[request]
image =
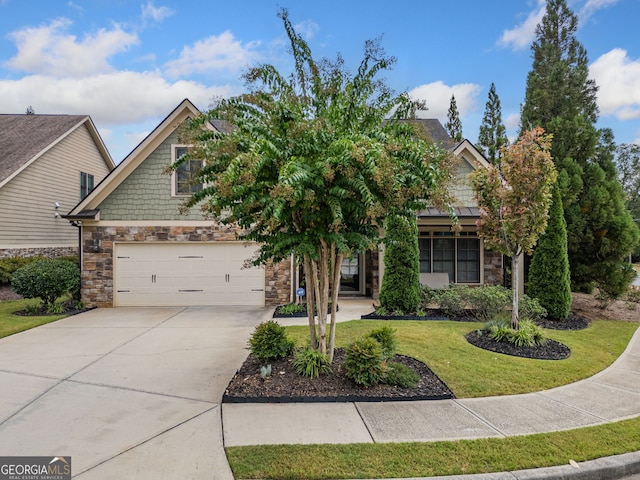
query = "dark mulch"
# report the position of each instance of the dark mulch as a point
(551, 350)
(285, 385)
(573, 322)
(69, 308)
(431, 314)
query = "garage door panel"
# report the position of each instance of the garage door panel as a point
(174, 274)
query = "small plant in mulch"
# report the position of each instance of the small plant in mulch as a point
(526, 341)
(294, 310)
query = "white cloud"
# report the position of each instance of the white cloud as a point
(110, 99)
(49, 50)
(155, 14)
(618, 80)
(593, 6)
(222, 52)
(307, 29)
(521, 36)
(437, 96)
(512, 121)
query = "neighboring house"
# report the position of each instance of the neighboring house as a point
(48, 163)
(138, 249)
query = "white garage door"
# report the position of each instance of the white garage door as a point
(186, 274)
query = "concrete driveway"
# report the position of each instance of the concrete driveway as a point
(126, 392)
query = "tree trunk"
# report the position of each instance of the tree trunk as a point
(336, 263)
(310, 292)
(515, 272)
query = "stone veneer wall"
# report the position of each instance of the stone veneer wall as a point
(50, 252)
(97, 271)
(493, 269)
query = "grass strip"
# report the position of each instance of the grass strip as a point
(405, 460)
(10, 323)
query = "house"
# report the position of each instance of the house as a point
(445, 256)
(48, 163)
(138, 249)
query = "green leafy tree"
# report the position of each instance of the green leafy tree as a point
(400, 288)
(549, 276)
(454, 125)
(493, 134)
(607, 233)
(314, 162)
(628, 165)
(514, 200)
(561, 98)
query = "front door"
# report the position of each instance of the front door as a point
(351, 276)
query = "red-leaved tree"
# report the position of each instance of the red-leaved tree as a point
(514, 200)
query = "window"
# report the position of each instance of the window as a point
(86, 184)
(459, 256)
(185, 176)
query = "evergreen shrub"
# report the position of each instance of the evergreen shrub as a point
(364, 363)
(386, 337)
(400, 289)
(549, 276)
(269, 341)
(400, 375)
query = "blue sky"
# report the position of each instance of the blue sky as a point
(127, 64)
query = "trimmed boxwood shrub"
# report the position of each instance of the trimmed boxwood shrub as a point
(400, 289)
(46, 279)
(269, 341)
(549, 277)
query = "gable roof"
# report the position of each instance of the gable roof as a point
(184, 110)
(25, 138)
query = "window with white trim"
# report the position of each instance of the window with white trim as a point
(458, 255)
(86, 184)
(185, 177)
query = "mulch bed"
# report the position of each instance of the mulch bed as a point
(285, 385)
(551, 350)
(573, 322)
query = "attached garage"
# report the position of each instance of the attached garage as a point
(186, 274)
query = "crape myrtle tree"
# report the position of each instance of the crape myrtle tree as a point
(314, 162)
(493, 134)
(454, 125)
(549, 275)
(561, 98)
(514, 200)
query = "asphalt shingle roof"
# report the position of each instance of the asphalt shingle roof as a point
(24, 136)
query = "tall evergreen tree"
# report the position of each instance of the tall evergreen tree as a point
(400, 288)
(549, 278)
(454, 125)
(561, 98)
(493, 134)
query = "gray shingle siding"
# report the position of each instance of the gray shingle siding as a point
(146, 193)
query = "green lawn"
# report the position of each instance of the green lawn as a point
(473, 372)
(407, 460)
(469, 372)
(10, 323)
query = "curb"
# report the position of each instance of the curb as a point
(605, 468)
